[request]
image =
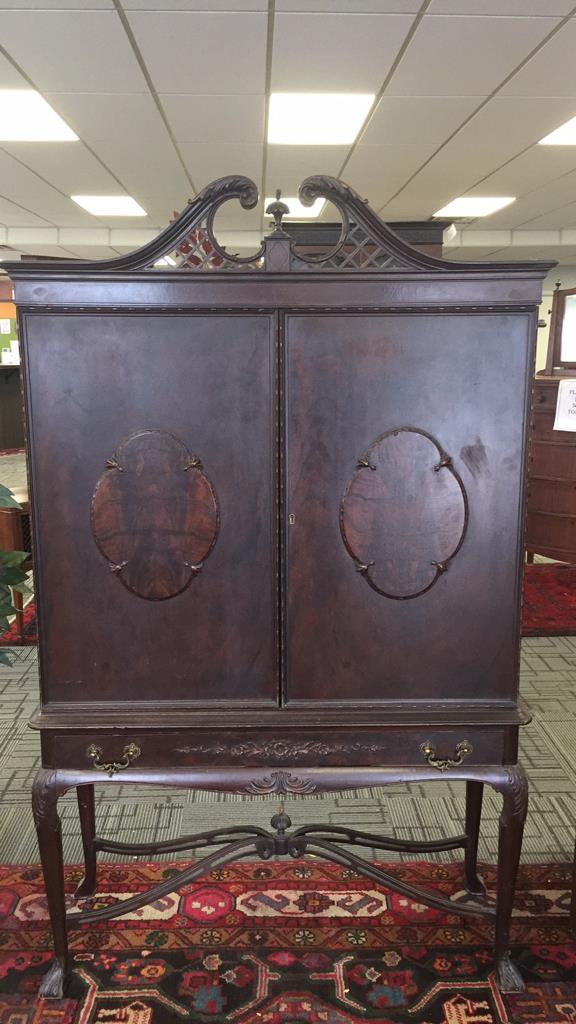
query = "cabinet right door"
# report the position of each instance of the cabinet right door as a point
(404, 501)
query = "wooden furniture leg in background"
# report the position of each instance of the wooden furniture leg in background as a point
(474, 794)
(85, 796)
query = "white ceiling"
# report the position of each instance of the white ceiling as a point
(166, 96)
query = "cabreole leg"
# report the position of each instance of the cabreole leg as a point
(474, 794)
(45, 793)
(85, 796)
(515, 805)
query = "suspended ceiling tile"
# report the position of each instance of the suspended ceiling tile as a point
(145, 166)
(461, 254)
(287, 166)
(14, 215)
(538, 166)
(350, 6)
(513, 123)
(93, 252)
(21, 185)
(519, 8)
(404, 119)
(72, 50)
(551, 71)
(208, 161)
(196, 5)
(457, 168)
(37, 249)
(215, 118)
(10, 78)
(56, 5)
(67, 166)
(564, 217)
(376, 172)
(540, 203)
(451, 56)
(113, 116)
(186, 52)
(532, 252)
(409, 209)
(335, 52)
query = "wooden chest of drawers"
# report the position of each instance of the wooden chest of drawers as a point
(551, 520)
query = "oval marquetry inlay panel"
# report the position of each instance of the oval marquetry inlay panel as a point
(154, 515)
(404, 513)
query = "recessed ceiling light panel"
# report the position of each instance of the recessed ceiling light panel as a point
(565, 135)
(110, 206)
(316, 119)
(474, 206)
(297, 209)
(25, 116)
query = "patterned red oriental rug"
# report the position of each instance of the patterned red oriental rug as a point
(549, 605)
(299, 942)
(549, 600)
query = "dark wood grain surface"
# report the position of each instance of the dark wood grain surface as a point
(349, 379)
(96, 381)
(154, 515)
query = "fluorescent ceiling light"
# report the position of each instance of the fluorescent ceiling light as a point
(316, 119)
(110, 206)
(565, 135)
(25, 116)
(297, 210)
(474, 206)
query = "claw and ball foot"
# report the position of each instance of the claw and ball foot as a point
(52, 984)
(509, 977)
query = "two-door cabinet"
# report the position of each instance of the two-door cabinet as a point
(278, 510)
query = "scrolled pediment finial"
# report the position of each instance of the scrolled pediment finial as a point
(277, 209)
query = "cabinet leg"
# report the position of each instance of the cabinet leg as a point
(474, 794)
(515, 805)
(85, 795)
(45, 793)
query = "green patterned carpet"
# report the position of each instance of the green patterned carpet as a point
(138, 813)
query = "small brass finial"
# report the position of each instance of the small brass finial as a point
(278, 210)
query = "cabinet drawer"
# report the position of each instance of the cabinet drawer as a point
(552, 496)
(114, 751)
(545, 397)
(546, 528)
(552, 459)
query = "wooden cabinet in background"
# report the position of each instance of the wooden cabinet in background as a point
(551, 520)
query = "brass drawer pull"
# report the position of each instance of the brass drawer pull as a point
(130, 753)
(443, 764)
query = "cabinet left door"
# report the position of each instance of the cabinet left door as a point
(153, 458)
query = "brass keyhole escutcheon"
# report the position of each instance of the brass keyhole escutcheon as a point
(292, 519)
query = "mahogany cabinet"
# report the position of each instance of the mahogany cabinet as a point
(278, 511)
(551, 521)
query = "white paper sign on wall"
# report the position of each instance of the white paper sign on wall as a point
(4, 326)
(565, 418)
